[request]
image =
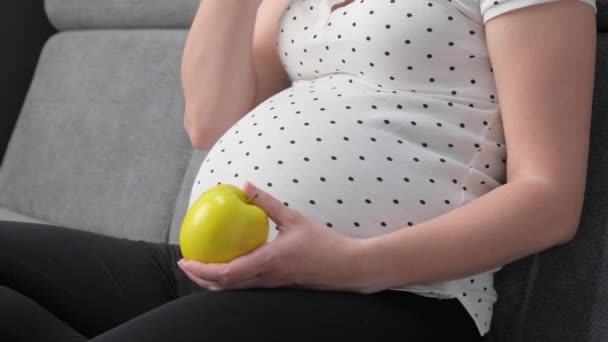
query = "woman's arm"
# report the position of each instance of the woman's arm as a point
(230, 65)
(217, 64)
(544, 72)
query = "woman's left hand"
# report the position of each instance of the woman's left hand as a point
(304, 254)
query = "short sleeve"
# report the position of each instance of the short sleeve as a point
(493, 8)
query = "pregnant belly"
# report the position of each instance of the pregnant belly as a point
(350, 176)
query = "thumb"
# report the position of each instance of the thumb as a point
(274, 208)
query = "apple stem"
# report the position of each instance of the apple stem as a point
(254, 196)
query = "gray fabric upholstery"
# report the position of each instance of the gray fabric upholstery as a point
(602, 15)
(94, 14)
(10, 215)
(100, 143)
(562, 294)
(181, 205)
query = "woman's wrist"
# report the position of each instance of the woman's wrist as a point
(369, 276)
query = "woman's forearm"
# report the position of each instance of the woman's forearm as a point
(218, 74)
(512, 221)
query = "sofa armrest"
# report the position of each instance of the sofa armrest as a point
(24, 28)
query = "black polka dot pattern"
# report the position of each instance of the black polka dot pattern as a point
(392, 119)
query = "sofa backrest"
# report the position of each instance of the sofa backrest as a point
(99, 144)
(561, 294)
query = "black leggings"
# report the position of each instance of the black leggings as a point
(60, 284)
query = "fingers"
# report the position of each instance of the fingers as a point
(202, 283)
(275, 209)
(245, 267)
(251, 265)
(251, 283)
(209, 272)
(213, 286)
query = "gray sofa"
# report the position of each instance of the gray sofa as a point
(92, 137)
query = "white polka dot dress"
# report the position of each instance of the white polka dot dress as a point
(392, 119)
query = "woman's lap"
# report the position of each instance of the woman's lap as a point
(288, 314)
(25, 320)
(92, 281)
(119, 289)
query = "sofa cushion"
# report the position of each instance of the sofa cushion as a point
(93, 14)
(561, 294)
(10, 215)
(100, 143)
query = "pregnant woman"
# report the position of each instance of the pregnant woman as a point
(375, 135)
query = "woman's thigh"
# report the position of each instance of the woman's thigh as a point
(91, 281)
(23, 320)
(288, 314)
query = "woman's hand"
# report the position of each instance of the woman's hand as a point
(304, 254)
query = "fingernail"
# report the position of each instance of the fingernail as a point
(180, 262)
(250, 189)
(252, 186)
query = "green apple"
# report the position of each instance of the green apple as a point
(222, 225)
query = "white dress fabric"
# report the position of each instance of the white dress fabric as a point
(392, 119)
